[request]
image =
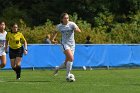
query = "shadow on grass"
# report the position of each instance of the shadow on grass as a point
(29, 81)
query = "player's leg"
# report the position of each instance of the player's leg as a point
(69, 61)
(12, 60)
(12, 56)
(18, 67)
(19, 54)
(70, 57)
(13, 64)
(15, 61)
(63, 65)
(3, 61)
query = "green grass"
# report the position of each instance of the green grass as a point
(95, 81)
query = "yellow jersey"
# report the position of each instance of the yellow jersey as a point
(15, 39)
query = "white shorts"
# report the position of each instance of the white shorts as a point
(66, 46)
(2, 53)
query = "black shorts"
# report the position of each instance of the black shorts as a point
(13, 53)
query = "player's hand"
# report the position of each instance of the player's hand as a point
(25, 52)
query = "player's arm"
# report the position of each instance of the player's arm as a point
(6, 42)
(25, 47)
(76, 29)
(25, 44)
(54, 37)
(6, 46)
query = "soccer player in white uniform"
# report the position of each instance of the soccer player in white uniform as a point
(67, 29)
(2, 44)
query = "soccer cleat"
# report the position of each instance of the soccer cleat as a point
(18, 78)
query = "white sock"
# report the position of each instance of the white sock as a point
(68, 67)
(62, 66)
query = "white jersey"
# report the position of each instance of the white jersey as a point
(2, 41)
(67, 32)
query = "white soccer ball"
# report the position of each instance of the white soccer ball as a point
(71, 78)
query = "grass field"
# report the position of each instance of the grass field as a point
(94, 81)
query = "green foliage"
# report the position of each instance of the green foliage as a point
(38, 33)
(106, 32)
(105, 21)
(13, 15)
(35, 12)
(105, 18)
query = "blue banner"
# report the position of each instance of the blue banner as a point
(44, 55)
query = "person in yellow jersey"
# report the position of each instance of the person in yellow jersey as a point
(16, 49)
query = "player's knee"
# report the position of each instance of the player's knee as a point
(71, 59)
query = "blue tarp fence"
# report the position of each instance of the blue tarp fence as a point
(43, 55)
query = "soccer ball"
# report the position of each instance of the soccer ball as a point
(71, 78)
